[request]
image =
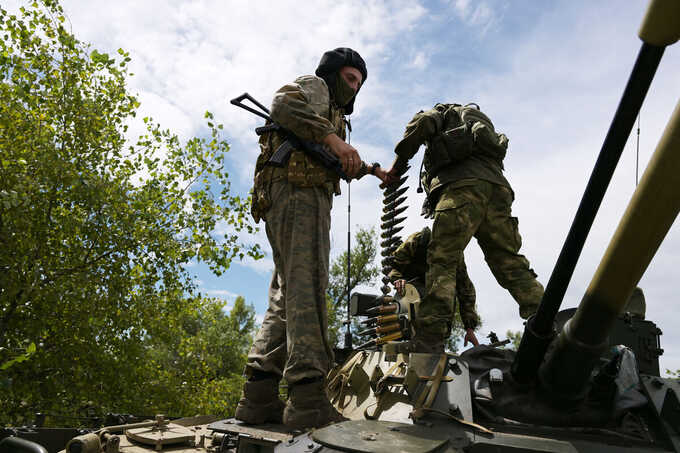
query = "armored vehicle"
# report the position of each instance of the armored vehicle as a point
(583, 380)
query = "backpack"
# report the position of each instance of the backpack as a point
(462, 131)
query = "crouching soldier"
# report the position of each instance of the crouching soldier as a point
(409, 264)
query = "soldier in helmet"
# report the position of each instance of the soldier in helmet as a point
(295, 203)
(409, 263)
(468, 196)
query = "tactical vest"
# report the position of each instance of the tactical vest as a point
(461, 132)
(301, 170)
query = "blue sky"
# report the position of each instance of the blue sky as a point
(549, 74)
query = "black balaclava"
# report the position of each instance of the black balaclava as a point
(330, 65)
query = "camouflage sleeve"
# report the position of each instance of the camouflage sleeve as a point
(403, 256)
(418, 130)
(465, 292)
(300, 106)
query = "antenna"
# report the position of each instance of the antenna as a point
(348, 322)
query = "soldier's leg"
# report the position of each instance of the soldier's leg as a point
(306, 247)
(268, 352)
(267, 357)
(458, 213)
(304, 240)
(499, 238)
(466, 296)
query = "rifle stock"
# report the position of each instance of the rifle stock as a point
(282, 154)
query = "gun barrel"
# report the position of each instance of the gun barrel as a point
(648, 218)
(538, 330)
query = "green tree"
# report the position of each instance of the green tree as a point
(95, 230)
(363, 271)
(196, 369)
(515, 337)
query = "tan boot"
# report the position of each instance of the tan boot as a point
(260, 402)
(308, 407)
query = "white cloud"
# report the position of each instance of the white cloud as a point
(478, 13)
(420, 60)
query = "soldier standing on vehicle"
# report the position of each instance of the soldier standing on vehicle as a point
(409, 264)
(468, 196)
(295, 202)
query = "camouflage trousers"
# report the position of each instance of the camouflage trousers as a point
(292, 341)
(481, 209)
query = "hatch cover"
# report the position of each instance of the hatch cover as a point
(372, 436)
(166, 435)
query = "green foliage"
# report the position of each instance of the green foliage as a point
(363, 271)
(96, 232)
(23, 356)
(196, 368)
(515, 337)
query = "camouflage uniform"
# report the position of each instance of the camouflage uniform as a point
(468, 196)
(410, 263)
(295, 203)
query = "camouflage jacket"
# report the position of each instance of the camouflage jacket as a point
(409, 262)
(424, 127)
(303, 107)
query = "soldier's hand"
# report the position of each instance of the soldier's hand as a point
(391, 176)
(470, 337)
(380, 173)
(349, 157)
(400, 286)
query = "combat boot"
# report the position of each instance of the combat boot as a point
(308, 407)
(260, 402)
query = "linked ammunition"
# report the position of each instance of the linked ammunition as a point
(391, 241)
(392, 223)
(390, 337)
(389, 251)
(394, 195)
(382, 309)
(380, 320)
(393, 213)
(393, 205)
(386, 234)
(381, 329)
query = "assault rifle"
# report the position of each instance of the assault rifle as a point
(282, 153)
